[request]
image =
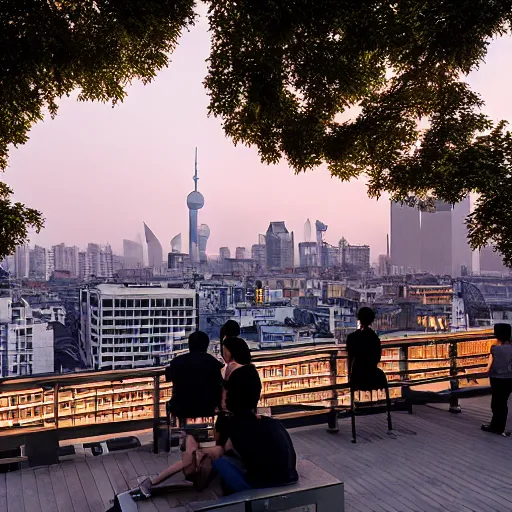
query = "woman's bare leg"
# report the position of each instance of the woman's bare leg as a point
(188, 459)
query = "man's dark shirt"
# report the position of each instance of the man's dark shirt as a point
(266, 450)
(196, 385)
(364, 353)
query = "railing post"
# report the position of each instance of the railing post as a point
(404, 368)
(156, 412)
(454, 381)
(332, 418)
(56, 404)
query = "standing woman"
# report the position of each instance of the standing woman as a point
(500, 376)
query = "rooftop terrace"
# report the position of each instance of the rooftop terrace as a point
(438, 461)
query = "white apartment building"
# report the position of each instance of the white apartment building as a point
(41, 263)
(125, 326)
(21, 262)
(26, 343)
(66, 258)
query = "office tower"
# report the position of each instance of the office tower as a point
(462, 255)
(280, 247)
(155, 251)
(97, 261)
(66, 258)
(240, 253)
(84, 266)
(176, 243)
(203, 233)
(358, 256)
(384, 265)
(259, 255)
(26, 342)
(195, 201)
(40, 263)
(405, 237)
(133, 254)
(492, 261)
(436, 237)
(129, 327)
(224, 253)
(323, 256)
(307, 231)
(21, 262)
(308, 254)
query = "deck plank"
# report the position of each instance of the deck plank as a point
(126, 467)
(3, 493)
(92, 494)
(74, 485)
(14, 492)
(60, 489)
(45, 490)
(29, 489)
(101, 479)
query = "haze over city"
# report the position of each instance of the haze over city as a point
(97, 173)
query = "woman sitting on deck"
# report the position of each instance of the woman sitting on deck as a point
(364, 353)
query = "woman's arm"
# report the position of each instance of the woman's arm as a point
(489, 364)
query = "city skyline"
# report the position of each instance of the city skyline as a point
(105, 171)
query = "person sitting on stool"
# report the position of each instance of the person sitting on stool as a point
(500, 376)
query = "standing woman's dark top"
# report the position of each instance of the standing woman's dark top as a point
(364, 353)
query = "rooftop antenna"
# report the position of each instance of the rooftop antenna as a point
(195, 175)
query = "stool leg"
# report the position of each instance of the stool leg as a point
(353, 416)
(388, 407)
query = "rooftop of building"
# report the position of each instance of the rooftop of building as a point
(436, 461)
(138, 290)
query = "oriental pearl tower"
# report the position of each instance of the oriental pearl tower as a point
(195, 201)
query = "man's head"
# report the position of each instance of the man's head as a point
(198, 341)
(230, 329)
(366, 316)
(503, 332)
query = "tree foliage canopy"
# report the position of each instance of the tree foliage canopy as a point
(372, 88)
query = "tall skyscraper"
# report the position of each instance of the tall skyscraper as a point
(307, 231)
(22, 261)
(240, 253)
(203, 233)
(195, 201)
(66, 258)
(155, 251)
(280, 246)
(41, 264)
(308, 254)
(176, 243)
(100, 260)
(224, 253)
(323, 253)
(405, 237)
(133, 254)
(492, 261)
(462, 255)
(436, 239)
(259, 255)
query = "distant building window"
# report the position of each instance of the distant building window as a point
(190, 303)
(108, 303)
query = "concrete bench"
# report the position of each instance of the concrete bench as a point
(316, 489)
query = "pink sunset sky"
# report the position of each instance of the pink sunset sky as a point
(98, 172)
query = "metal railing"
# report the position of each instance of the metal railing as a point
(295, 382)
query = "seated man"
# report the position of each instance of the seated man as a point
(196, 380)
(265, 456)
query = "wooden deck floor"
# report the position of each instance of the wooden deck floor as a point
(438, 462)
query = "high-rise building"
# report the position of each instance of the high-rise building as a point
(129, 327)
(66, 258)
(22, 262)
(224, 253)
(323, 254)
(492, 261)
(41, 264)
(436, 236)
(405, 237)
(195, 201)
(26, 343)
(203, 233)
(240, 253)
(100, 260)
(176, 243)
(462, 254)
(133, 254)
(358, 256)
(259, 255)
(280, 247)
(308, 254)
(84, 266)
(307, 231)
(155, 251)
